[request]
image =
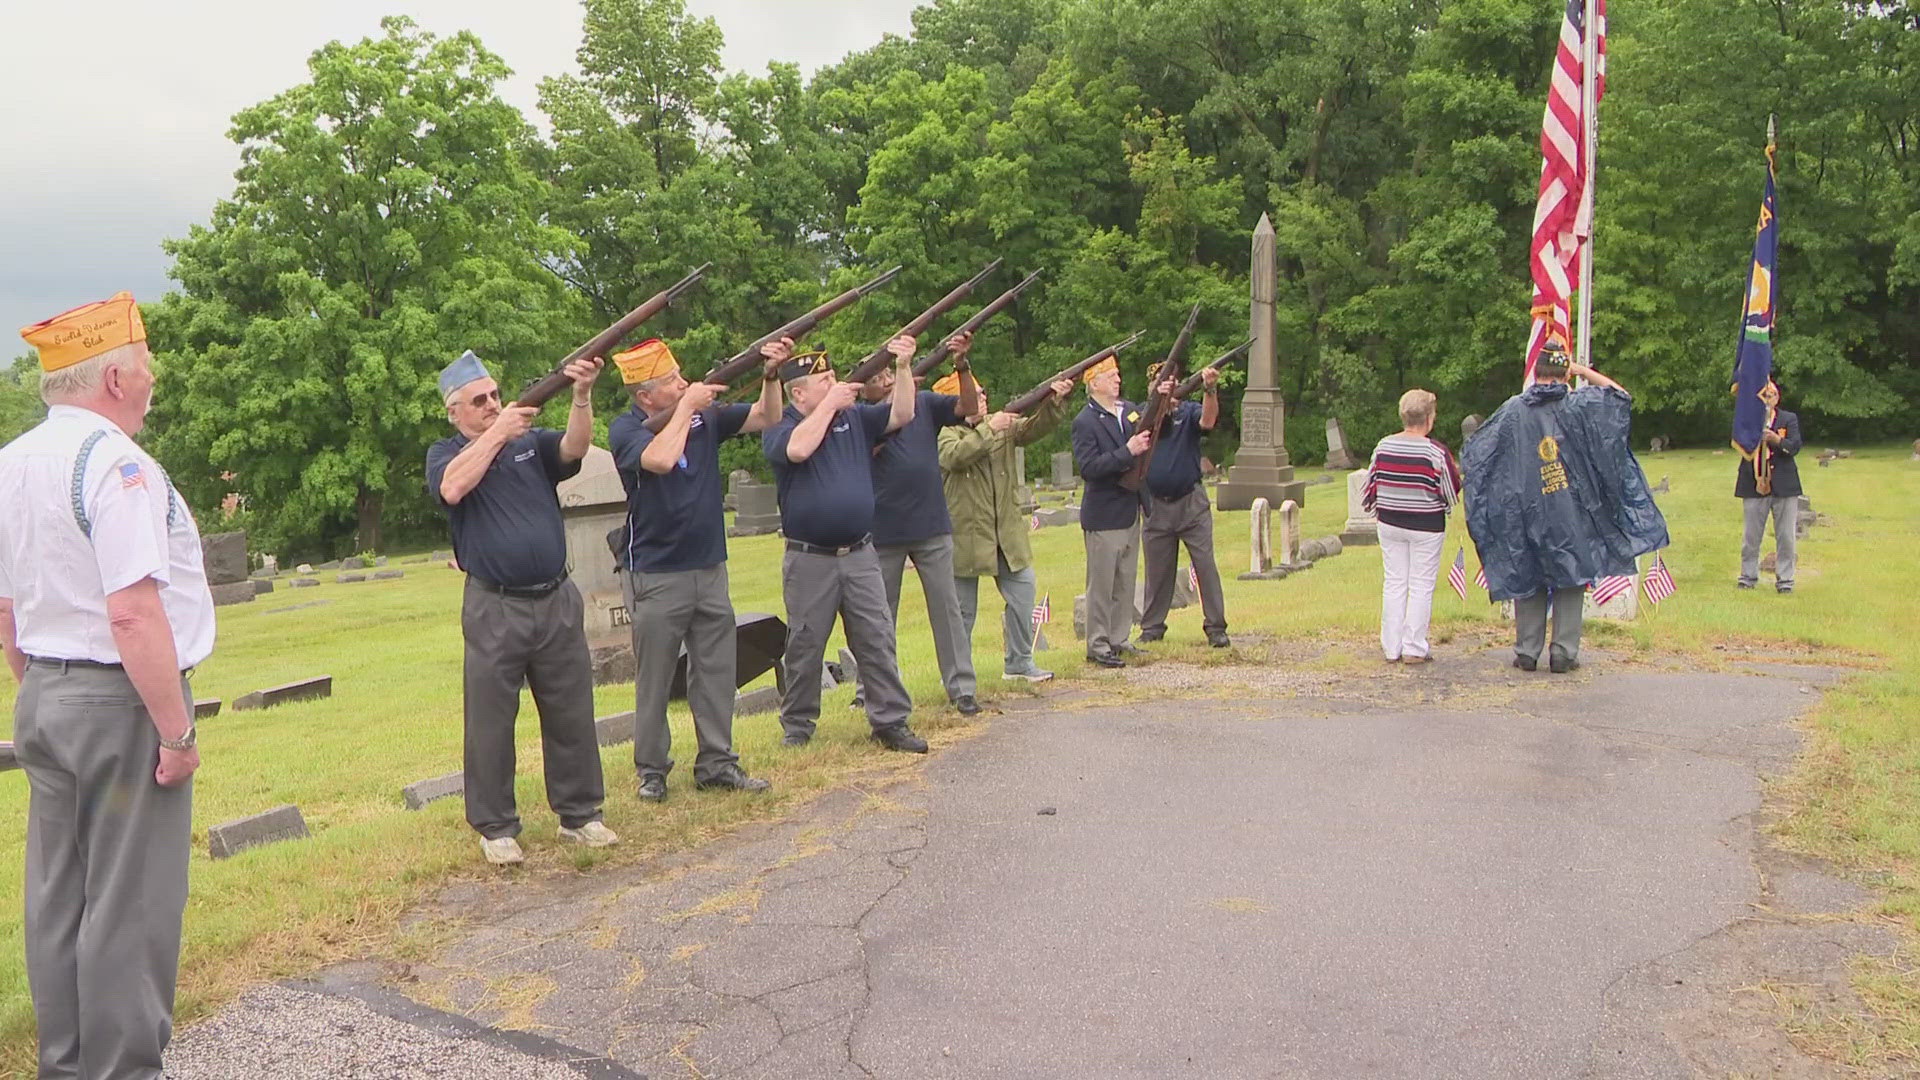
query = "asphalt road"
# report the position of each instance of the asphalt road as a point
(1519, 876)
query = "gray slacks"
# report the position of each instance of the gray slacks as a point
(817, 588)
(1187, 520)
(1785, 511)
(952, 640)
(1530, 622)
(1017, 589)
(543, 643)
(691, 608)
(106, 880)
(1112, 561)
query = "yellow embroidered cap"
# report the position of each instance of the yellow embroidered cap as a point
(648, 360)
(86, 331)
(950, 384)
(1104, 366)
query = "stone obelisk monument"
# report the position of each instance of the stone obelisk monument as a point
(1260, 468)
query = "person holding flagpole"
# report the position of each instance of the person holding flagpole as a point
(1767, 436)
(1412, 483)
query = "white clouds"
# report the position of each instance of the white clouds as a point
(117, 114)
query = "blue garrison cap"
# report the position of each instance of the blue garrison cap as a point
(460, 373)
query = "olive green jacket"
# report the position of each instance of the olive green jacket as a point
(977, 467)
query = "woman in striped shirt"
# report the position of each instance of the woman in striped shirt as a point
(1411, 484)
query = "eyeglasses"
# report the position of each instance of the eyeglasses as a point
(480, 400)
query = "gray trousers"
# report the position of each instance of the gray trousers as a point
(691, 608)
(1112, 561)
(543, 643)
(1016, 621)
(817, 588)
(1530, 622)
(106, 873)
(1785, 511)
(1187, 520)
(952, 639)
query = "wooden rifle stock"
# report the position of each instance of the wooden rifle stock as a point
(877, 360)
(542, 390)
(1159, 403)
(1192, 382)
(1026, 402)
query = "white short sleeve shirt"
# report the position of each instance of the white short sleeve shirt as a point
(93, 515)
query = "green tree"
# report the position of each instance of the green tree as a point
(20, 405)
(385, 219)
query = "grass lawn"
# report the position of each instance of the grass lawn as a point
(394, 651)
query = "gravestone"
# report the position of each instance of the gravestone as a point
(1659, 444)
(206, 707)
(1659, 488)
(348, 579)
(421, 792)
(224, 558)
(353, 562)
(849, 666)
(379, 560)
(1362, 527)
(303, 568)
(302, 582)
(612, 659)
(1289, 551)
(764, 700)
(592, 503)
(1056, 515)
(233, 837)
(1260, 544)
(1804, 518)
(262, 586)
(730, 501)
(1261, 468)
(388, 575)
(1040, 641)
(233, 592)
(1916, 451)
(1338, 456)
(1063, 476)
(1626, 606)
(334, 565)
(269, 564)
(1022, 491)
(303, 690)
(1470, 425)
(614, 729)
(759, 509)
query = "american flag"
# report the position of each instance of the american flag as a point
(1457, 573)
(1563, 219)
(1480, 576)
(1609, 587)
(1660, 583)
(1033, 523)
(1193, 580)
(131, 476)
(1043, 611)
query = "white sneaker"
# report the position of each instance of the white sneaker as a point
(502, 851)
(1034, 676)
(592, 834)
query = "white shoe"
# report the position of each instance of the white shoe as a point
(592, 834)
(1034, 676)
(502, 851)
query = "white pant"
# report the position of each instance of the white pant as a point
(1412, 563)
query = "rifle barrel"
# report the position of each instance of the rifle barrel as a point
(543, 389)
(1026, 402)
(877, 359)
(1000, 303)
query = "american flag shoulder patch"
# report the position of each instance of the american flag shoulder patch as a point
(131, 475)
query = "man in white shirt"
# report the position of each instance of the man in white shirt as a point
(104, 609)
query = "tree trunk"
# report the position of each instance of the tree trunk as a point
(367, 506)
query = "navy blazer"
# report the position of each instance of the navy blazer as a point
(1100, 453)
(1786, 470)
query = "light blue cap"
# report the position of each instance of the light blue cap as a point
(460, 373)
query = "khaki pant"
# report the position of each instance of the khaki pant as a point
(1113, 559)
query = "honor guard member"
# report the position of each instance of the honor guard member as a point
(1778, 497)
(910, 521)
(523, 620)
(1178, 513)
(822, 455)
(990, 533)
(1104, 446)
(104, 608)
(676, 557)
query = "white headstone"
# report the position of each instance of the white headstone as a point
(593, 503)
(1261, 543)
(1361, 527)
(1289, 552)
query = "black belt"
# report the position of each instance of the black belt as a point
(520, 592)
(90, 665)
(836, 552)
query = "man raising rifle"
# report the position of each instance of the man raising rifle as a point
(1178, 512)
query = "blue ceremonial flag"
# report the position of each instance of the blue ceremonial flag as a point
(1753, 395)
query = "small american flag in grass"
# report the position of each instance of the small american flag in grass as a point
(1193, 580)
(1457, 573)
(1607, 588)
(1043, 611)
(1480, 576)
(1660, 584)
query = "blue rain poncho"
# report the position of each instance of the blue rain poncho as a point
(1555, 498)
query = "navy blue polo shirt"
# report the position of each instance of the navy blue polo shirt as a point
(909, 495)
(507, 530)
(828, 498)
(676, 519)
(1175, 467)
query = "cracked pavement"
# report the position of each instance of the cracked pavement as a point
(1450, 871)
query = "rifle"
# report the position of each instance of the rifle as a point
(751, 357)
(969, 389)
(542, 390)
(1158, 403)
(1192, 382)
(1026, 402)
(878, 359)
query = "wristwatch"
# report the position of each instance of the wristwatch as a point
(184, 742)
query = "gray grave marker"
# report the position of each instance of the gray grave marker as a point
(1063, 469)
(206, 707)
(388, 575)
(348, 579)
(302, 582)
(261, 586)
(421, 792)
(234, 592)
(224, 557)
(304, 690)
(280, 823)
(764, 700)
(614, 729)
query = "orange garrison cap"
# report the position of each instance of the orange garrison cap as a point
(950, 384)
(87, 331)
(1109, 364)
(646, 361)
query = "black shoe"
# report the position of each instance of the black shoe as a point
(733, 777)
(1151, 635)
(1783, 588)
(653, 786)
(857, 703)
(1743, 584)
(1219, 640)
(796, 740)
(1560, 665)
(1525, 663)
(900, 737)
(967, 705)
(1130, 649)
(1105, 660)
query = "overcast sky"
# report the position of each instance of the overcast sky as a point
(116, 111)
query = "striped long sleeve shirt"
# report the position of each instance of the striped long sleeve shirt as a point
(1411, 483)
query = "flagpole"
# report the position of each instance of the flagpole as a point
(1589, 60)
